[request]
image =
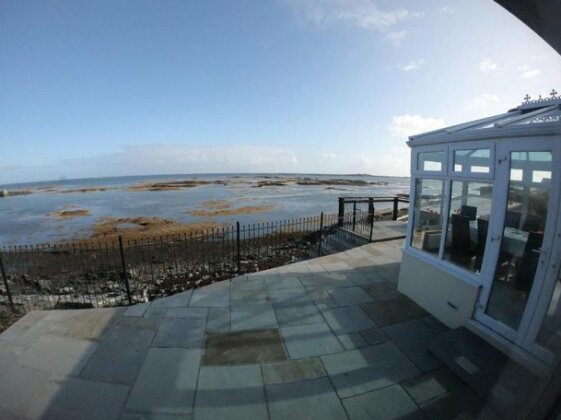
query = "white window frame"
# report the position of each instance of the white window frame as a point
(415, 171)
(471, 145)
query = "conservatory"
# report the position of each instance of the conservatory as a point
(483, 246)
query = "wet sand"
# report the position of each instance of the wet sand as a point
(131, 228)
(217, 208)
(69, 214)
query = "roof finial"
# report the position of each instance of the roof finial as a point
(553, 94)
(527, 98)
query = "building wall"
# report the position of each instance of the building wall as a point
(448, 298)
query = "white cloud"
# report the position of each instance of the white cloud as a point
(412, 65)
(488, 65)
(407, 125)
(330, 155)
(486, 102)
(445, 10)
(361, 13)
(527, 72)
(396, 37)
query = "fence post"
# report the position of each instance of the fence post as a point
(370, 209)
(354, 216)
(5, 279)
(395, 208)
(238, 255)
(124, 275)
(341, 215)
(320, 233)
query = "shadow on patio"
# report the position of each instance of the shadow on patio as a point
(325, 338)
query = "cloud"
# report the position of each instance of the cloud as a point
(488, 65)
(486, 102)
(407, 125)
(330, 155)
(445, 10)
(361, 13)
(396, 37)
(412, 65)
(527, 72)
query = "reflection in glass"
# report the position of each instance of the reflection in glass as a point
(430, 161)
(549, 335)
(468, 224)
(522, 238)
(427, 220)
(472, 161)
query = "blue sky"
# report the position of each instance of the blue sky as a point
(333, 86)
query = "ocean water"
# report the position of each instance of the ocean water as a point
(28, 219)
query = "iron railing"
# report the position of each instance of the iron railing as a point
(358, 214)
(123, 272)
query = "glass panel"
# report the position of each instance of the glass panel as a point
(427, 223)
(549, 335)
(430, 161)
(522, 237)
(468, 224)
(472, 161)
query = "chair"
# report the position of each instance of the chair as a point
(469, 211)
(512, 219)
(526, 266)
(533, 223)
(461, 241)
(482, 230)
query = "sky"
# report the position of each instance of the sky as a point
(137, 87)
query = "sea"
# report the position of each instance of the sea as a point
(29, 219)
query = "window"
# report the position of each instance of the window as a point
(472, 161)
(431, 161)
(468, 224)
(427, 219)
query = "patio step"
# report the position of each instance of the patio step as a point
(505, 384)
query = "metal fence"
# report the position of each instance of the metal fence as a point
(358, 214)
(122, 272)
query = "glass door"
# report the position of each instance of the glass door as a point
(520, 235)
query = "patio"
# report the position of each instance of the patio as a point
(326, 338)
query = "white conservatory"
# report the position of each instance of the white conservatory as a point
(483, 246)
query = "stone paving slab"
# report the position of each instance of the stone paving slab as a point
(349, 296)
(356, 371)
(298, 314)
(180, 332)
(253, 317)
(75, 398)
(243, 347)
(391, 403)
(20, 385)
(210, 297)
(310, 340)
(352, 341)
(292, 371)
(289, 296)
(394, 311)
(183, 312)
(348, 319)
(137, 310)
(413, 338)
(121, 352)
(60, 356)
(218, 319)
(432, 385)
(166, 382)
(308, 400)
(230, 392)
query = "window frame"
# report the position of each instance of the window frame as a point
(472, 145)
(447, 175)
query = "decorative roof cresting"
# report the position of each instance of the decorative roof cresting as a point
(553, 96)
